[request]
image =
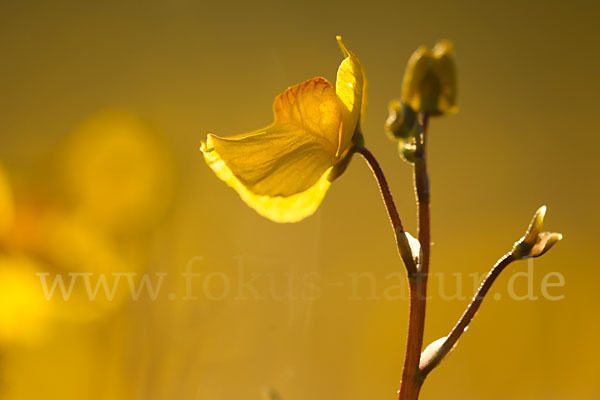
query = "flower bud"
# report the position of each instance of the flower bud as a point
(430, 82)
(415, 247)
(535, 243)
(434, 353)
(408, 149)
(402, 120)
(545, 242)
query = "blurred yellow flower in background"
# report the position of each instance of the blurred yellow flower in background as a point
(118, 178)
(284, 170)
(118, 173)
(69, 244)
(430, 82)
(23, 308)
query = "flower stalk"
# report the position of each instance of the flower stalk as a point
(427, 365)
(534, 243)
(401, 239)
(319, 125)
(411, 380)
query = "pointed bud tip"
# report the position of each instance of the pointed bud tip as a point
(443, 46)
(540, 214)
(534, 228)
(535, 243)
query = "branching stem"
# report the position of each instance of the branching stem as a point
(416, 370)
(468, 315)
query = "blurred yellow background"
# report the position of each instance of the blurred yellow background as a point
(102, 110)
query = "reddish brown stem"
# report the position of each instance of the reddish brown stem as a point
(412, 379)
(469, 313)
(401, 241)
(384, 187)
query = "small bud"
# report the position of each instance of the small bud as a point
(407, 150)
(430, 83)
(545, 242)
(535, 243)
(410, 250)
(402, 121)
(415, 247)
(434, 353)
(535, 226)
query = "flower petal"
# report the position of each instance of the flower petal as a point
(419, 65)
(430, 83)
(445, 68)
(351, 88)
(279, 209)
(281, 171)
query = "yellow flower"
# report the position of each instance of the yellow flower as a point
(62, 244)
(429, 83)
(118, 172)
(23, 308)
(284, 170)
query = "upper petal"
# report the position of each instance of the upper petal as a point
(430, 83)
(413, 89)
(351, 88)
(445, 68)
(281, 171)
